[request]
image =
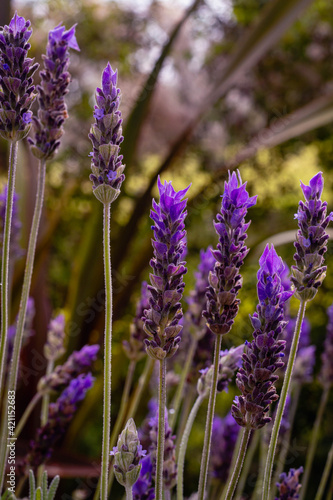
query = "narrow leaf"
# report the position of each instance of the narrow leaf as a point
(44, 484)
(53, 488)
(32, 485)
(38, 494)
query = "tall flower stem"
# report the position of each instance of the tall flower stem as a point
(183, 446)
(209, 422)
(107, 353)
(161, 431)
(129, 493)
(239, 463)
(325, 476)
(247, 464)
(186, 410)
(5, 260)
(143, 380)
(286, 441)
(121, 415)
(314, 441)
(282, 402)
(25, 289)
(180, 388)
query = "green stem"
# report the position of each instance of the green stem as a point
(247, 464)
(107, 354)
(330, 490)
(186, 409)
(180, 388)
(239, 463)
(129, 493)
(209, 422)
(314, 441)
(286, 441)
(326, 473)
(282, 402)
(44, 416)
(183, 446)
(27, 413)
(121, 415)
(161, 431)
(5, 263)
(143, 380)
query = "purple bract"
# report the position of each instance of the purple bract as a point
(289, 485)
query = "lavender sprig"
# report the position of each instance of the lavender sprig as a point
(289, 485)
(164, 313)
(226, 281)
(143, 489)
(263, 355)
(59, 415)
(16, 72)
(54, 86)
(54, 345)
(106, 137)
(311, 240)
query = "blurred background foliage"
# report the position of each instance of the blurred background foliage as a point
(206, 86)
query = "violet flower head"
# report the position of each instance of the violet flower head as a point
(167, 286)
(15, 247)
(225, 432)
(77, 363)
(263, 355)
(143, 489)
(54, 346)
(134, 347)
(311, 240)
(289, 486)
(225, 281)
(326, 372)
(60, 414)
(106, 137)
(55, 79)
(16, 83)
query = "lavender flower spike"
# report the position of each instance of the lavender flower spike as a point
(16, 83)
(290, 485)
(54, 346)
(263, 355)
(54, 86)
(105, 135)
(225, 281)
(311, 240)
(59, 415)
(163, 316)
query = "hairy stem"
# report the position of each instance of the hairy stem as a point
(183, 446)
(161, 431)
(282, 402)
(180, 387)
(247, 464)
(325, 476)
(239, 463)
(209, 422)
(186, 409)
(129, 493)
(107, 353)
(5, 262)
(314, 441)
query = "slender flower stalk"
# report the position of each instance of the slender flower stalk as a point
(246, 434)
(163, 316)
(107, 177)
(326, 475)
(224, 284)
(308, 274)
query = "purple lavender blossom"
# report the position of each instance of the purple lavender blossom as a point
(54, 345)
(326, 372)
(54, 86)
(105, 135)
(16, 83)
(163, 316)
(311, 240)
(60, 414)
(263, 355)
(77, 363)
(15, 248)
(169, 464)
(225, 281)
(289, 485)
(134, 348)
(225, 432)
(143, 489)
